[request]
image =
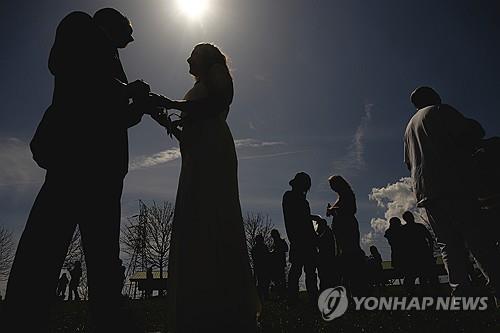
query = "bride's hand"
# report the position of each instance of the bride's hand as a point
(160, 100)
(161, 118)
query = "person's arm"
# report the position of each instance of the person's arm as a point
(220, 96)
(467, 132)
(290, 218)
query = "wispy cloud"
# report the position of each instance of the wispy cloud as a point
(253, 143)
(271, 155)
(354, 159)
(172, 154)
(16, 164)
(165, 156)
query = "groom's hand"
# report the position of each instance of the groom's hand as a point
(162, 101)
(138, 89)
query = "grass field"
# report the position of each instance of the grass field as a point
(277, 317)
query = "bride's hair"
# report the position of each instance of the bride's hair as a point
(212, 55)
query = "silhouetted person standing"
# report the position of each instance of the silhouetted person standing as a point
(346, 230)
(82, 143)
(419, 253)
(395, 237)
(76, 275)
(62, 284)
(302, 237)
(327, 266)
(261, 266)
(278, 262)
(123, 270)
(438, 145)
(375, 266)
(149, 282)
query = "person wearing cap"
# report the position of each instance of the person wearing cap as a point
(438, 145)
(302, 237)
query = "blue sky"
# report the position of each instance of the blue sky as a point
(321, 86)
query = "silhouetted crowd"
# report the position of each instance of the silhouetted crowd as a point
(454, 170)
(330, 254)
(455, 177)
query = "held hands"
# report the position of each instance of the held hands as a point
(137, 90)
(329, 210)
(162, 101)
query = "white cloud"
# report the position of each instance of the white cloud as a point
(16, 164)
(368, 238)
(395, 199)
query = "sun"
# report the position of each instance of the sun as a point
(193, 9)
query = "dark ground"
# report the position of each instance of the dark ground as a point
(151, 315)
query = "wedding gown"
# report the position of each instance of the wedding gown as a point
(210, 283)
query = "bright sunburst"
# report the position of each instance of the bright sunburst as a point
(193, 8)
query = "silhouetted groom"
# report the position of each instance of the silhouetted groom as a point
(82, 143)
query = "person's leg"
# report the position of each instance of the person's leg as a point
(296, 260)
(311, 276)
(100, 238)
(77, 294)
(41, 249)
(449, 239)
(281, 282)
(482, 245)
(293, 280)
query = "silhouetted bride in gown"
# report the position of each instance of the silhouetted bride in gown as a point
(210, 283)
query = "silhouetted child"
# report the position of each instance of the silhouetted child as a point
(419, 254)
(395, 237)
(375, 267)
(62, 284)
(149, 282)
(327, 266)
(122, 274)
(278, 262)
(76, 274)
(260, 258)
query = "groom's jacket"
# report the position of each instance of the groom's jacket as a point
(85, 128)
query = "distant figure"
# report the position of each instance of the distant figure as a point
(76, 274)
(439, 142)
(375, 267)
(261, 266)
(62, 284)
(302, 237)
(82, 143)
(395, 237)
(208, 237)
(346, 230)
(420, 259)
(123, 269)
(149, 282)
(278, 262)
(327, 265)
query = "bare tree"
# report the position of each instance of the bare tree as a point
(146, 237)
(257, 223)
(6, 252)
(158, 229)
